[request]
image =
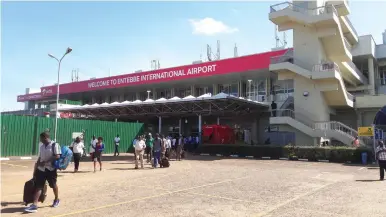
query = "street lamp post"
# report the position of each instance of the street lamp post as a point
(57, 88)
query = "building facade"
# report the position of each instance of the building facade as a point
(331, 82)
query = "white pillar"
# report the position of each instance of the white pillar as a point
(159, 124)
(116, 119)
(371, 75)
(218, 120)
(179, 127)
(199, 128)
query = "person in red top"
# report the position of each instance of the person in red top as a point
(96, 156)
(355, 143)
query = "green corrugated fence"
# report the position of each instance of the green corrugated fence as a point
(21, 134)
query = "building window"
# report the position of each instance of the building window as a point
(256, 90)
(184, 92)
(230, 89)
(382, 75)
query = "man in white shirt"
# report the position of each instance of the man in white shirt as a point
(168, 146)
(49, 151)
(116, 141)
(139, 152)
(77, 148)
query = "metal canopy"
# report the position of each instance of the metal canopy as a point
(217, 105)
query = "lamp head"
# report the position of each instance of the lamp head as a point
(50, 55)
(68, 50)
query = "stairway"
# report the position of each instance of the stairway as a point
(328, 129)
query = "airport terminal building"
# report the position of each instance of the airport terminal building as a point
(327, 85)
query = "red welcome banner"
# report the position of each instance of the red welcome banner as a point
(225, 66)
(29, 97)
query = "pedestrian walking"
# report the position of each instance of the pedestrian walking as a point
(168, 147)
(157, 148)
(96, 156)
(381, 157)
(117, 140)
(140, 147)
(179, 147)
(77, 148)
(149, 148)
(49, 151)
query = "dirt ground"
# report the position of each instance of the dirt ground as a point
(204, 186)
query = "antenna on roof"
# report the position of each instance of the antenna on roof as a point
(154, 64)
(218, 50)
(209, 52)
(277, 37)
(235, 53)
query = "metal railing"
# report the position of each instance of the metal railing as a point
(311, 11)
(296, 116)
(324, 125)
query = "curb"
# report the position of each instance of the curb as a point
(16, 158)
(266, 158)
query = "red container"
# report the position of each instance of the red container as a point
(218, 134)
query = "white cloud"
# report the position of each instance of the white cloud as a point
(210, 26)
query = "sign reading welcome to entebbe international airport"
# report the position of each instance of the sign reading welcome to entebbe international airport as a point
(219, 67)
(157, 76)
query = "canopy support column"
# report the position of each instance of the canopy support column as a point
(199, 128)
(179, 127)
(218, 120)
(159, 124)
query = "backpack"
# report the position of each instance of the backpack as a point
(64, 159)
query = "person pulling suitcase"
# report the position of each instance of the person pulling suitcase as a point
(48, 153)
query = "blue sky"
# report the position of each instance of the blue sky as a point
(125, 36)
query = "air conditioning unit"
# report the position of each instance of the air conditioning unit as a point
(138, 71)
(92, 78)
(197, 62)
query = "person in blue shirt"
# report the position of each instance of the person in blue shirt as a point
(96, 156)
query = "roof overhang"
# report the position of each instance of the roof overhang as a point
(220, 104)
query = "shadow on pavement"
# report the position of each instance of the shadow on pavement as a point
(369, 180)
(13, 210)
(11, 203)
(67, 171)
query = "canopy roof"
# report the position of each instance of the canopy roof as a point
(204, 105)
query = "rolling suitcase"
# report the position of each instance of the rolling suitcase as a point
(29, 191)
(165, 162)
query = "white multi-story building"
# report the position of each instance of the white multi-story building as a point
(338, 76)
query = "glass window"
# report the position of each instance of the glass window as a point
(382, 75)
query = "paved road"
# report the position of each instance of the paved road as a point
(206, 186)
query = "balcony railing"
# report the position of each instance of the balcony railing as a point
(311, 11)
